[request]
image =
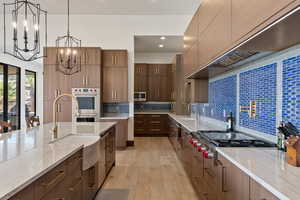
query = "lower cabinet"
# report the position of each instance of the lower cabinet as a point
(68, 181)
(121, 132)
(62, 182)
(151, 125)
(214, 178)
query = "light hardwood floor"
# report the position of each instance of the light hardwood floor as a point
(151, 171)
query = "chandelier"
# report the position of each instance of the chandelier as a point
(24, 32)
(68, 52)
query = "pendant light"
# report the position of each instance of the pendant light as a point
(68, 52)
(22, 25)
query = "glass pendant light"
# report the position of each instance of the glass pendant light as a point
(68, 52)
(22, 26)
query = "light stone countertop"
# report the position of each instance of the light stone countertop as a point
(267, 167)
(115, 116)
(25, 155)
(156, 112)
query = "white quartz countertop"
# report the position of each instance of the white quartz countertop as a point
(157, 112)
(191, 124)
(25, 155)
(267, 167)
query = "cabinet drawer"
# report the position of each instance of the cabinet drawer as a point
(59, 193)
(74, 167)
(75, 190)
(49, 181)
(25, 194)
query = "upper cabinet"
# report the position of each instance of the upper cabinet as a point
(115, 58)
(141, 78)
(114, 76)
(220, 25)
(92, 55)
(247, 15)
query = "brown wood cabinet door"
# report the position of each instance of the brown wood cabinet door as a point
(141, 78)
(108, 84)
(236, 183)
(93, 79)
(78, 80)
(64, 111)
(246, 15)
(153, 88)
(47, 111)
(121, 84)
(50, 58)
(101, 163)
(51, 83)
(92, 55)
(115, 58)
(115, 84)
(25, 194)
(258, 192)
(216, 37)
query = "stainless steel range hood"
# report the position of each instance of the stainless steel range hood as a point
(280, 35)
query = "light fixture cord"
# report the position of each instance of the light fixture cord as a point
(68, 31)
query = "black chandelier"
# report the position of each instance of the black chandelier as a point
(68, 52)
(25, 18)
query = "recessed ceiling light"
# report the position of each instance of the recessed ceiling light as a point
(161, 46)
(162, 37)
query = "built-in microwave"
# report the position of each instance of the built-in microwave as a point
(87, 103)
(140, 96)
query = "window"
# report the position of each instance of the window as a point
(10, 95)
(30, 93)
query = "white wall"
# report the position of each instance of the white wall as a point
(113, 32)
(154, 58)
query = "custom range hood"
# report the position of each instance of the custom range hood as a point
(280, 35)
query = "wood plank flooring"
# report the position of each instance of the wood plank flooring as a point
(151, 171)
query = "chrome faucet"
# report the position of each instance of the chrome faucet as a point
(55, 127)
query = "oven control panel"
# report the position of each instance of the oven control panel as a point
(85, 91)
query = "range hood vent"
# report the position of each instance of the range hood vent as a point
(280, 35)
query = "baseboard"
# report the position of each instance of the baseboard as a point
(130, 143)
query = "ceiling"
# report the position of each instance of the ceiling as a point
(150, 44)
(121, 7)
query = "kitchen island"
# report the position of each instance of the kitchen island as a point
(26, 156)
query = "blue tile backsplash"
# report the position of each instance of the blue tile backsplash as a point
(148, 106)
(222, 97)
(273, 82)
(115, 108)
(259, 85)
(291, 91)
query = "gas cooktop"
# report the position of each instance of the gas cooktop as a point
(233, 139)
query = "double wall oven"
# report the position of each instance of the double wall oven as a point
(86, 108)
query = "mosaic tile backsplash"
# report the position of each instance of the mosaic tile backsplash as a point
(274, 83)
(148, 106)
(115, 108)
(291, 91)
(259, 85)
(222, 97)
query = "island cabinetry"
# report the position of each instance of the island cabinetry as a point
(62, 182)
(121, 131)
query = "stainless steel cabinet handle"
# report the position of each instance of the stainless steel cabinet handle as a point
(83, 81)
(112, 60)
(116, 96)
(112, 94)
(116, 60)
(86, 80)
